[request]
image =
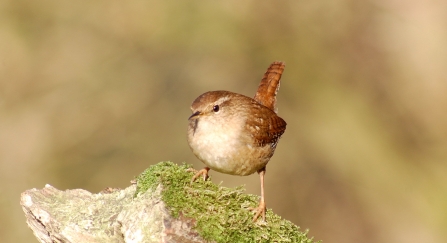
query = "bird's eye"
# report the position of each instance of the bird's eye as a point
(216, 108)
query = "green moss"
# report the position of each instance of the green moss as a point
(222, 213)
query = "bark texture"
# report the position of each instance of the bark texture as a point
(113, 215)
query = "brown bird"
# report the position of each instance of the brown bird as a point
(235, 134)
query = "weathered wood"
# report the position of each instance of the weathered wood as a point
(163, 206)
(113, 215)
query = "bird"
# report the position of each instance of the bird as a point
(234, 134)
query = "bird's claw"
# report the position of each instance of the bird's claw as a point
(203, 172)
(260, 210)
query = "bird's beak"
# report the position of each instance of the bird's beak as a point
(194, 115)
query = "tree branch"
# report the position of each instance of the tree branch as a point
(163, 206)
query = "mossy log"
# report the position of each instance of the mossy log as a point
(162, 206)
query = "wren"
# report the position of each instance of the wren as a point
(235, 134)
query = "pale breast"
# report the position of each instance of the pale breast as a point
(222, 148)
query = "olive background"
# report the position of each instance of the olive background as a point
(94, 92)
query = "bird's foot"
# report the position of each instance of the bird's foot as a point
(203, 172)
(260, 210)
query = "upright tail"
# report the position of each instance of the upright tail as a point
(268, 88)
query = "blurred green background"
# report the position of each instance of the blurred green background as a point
(93, 92)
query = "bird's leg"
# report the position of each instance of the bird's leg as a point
(203, 172)
(260, 210)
